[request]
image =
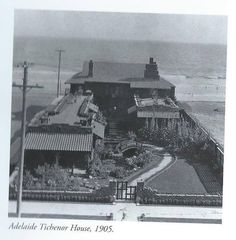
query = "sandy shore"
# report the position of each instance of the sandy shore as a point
(37, 99)
(211, 115)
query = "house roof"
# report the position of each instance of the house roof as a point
(64, 111)
(58, 141)
(98, 129)
(113, 72)
(155, 105)
(143, 83)
(110, 69)
(68, 111)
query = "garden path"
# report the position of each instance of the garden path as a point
(166, 162)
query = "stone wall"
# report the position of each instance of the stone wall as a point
(146, 195)
(104, 195)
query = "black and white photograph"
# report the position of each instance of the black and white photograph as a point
(122, 111)
(116, 117)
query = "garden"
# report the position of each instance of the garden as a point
(184, 140)
(190, 143)
(107, 164)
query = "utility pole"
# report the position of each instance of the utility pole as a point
(24, 87)
(59, 71)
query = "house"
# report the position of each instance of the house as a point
(134, 92)
(133, 95)
(66, 132)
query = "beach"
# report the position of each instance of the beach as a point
(37, 99)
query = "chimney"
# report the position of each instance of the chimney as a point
(151, 70)
(90, 71)
(151, 60)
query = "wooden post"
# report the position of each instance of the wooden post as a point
(152, 123)
(59, 71)
(22, 147)
(146, 123)
(24, 88)
(156, 121)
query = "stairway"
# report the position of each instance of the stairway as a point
(114, 133)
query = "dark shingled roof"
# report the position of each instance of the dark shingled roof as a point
(59, 141)
(112, 72)
(161, 84)
(111, 69)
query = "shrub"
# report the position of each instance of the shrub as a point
(132, 135)
(28, 180)
(142, 159)
(50, 178)
(185, 140)
(118, 172)
(95, 167)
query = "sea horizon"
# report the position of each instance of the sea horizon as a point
(175, 58)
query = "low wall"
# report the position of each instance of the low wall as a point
(148, 196)
(103, 195)
(144, 195)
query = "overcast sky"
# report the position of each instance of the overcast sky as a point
(160, 27)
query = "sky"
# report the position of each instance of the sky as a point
(122, 26)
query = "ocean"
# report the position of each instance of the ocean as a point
(190, 60)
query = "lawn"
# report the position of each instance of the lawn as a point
(181, 177)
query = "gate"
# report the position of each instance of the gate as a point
(125, 192)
